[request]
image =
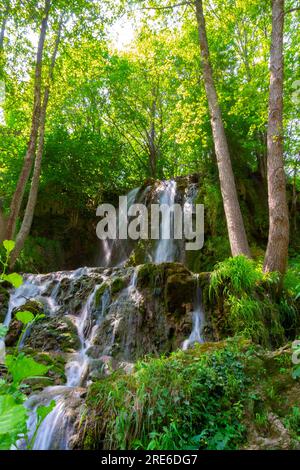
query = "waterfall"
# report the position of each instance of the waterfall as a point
(109, 328)
(196, 335)
(166, 246)
(116, 252)
(55, 431)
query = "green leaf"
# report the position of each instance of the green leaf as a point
(43, 411)
(3, 330)
(22, 367)
(9, 246)
(12, 417)
(296, 372)
(25, 317)
(14, 279)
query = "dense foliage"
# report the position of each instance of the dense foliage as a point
(17, 369)
(209, 398)
(119, 115)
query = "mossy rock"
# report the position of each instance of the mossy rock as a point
(140, 253)
(31, 305)
(100, 292)
(118, 284)
(57, 334)
(179, 291)
(4, 301)
(16, 327)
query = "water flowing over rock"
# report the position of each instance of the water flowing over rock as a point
(182, 191)
(98, 320)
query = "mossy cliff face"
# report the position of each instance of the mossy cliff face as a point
(4, 301)
(133, 312)
(153, 317)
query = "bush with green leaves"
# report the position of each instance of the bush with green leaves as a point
(249, 302)
(188, 400)
(17, 368)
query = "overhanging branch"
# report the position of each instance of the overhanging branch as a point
(169, 7)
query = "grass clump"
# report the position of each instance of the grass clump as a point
(184, 401)
(235, 276)
(247, 303)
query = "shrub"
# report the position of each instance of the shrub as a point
(187, 400)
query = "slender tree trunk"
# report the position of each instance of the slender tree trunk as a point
(2, 224)
(17, 199)
(294, 203)
(261, 156)
(2, 32)
(2, 35)
(277, 249)
(32, 198)
(235, 225)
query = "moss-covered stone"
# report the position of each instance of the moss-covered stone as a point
(117, 285)
(16, 327)
(57, 334)
(4, 301)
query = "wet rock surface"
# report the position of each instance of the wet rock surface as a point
(97, 321)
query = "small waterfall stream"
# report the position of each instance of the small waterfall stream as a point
(196, 335)
(54, 433)
(166, 246)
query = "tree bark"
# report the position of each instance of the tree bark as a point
(2, 224)
(17, 199)
(3, 26)
(278, 241)
(151, 140)
(32, 198)
(235, 225)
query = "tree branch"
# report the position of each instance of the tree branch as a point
(292, 10)
(169, 7)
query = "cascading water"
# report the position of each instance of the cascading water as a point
(98, 327)
(196, 335)
(166, 246)
(54, 433)
(116, 252)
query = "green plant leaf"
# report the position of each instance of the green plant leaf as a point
(25, 317)
(22, 367)
(14, 279)
(3, 330)
(296, 372)
(13, 416)
(9, 246)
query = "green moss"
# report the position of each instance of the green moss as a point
(32, 306)
(169, 401)
(221, 395)
(117, 285)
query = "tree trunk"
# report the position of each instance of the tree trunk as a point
(2, 224)
(235, 225)
(294, 204)
(3, 26)
(17, 199)
(278, 241)
(32, 198)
